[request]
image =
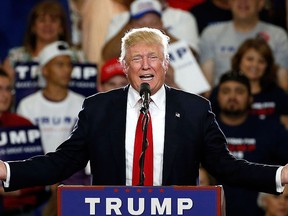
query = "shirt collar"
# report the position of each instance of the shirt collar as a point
(158, 98)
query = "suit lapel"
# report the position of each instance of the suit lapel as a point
(119, 127)
(170, 140)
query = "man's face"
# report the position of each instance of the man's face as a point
(5, 94)
(233, 98)
(146, 63)
(58, 71)
(245, 9)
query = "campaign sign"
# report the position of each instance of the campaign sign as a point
(187, 72)
(84, 79)
(18, 143)
(28, 79)
(128, 200)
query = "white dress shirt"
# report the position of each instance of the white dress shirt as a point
(157, 112)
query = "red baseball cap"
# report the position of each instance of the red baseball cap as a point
(111, 68)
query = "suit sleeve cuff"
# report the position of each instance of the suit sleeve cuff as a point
(279, 186)
(7, 182)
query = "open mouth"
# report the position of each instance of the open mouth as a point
(146, 77)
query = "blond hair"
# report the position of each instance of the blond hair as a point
(144, 35)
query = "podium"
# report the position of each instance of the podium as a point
(139, 200)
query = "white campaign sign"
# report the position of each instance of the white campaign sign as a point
(187, 72)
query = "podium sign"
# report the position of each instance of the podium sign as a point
(128, 200)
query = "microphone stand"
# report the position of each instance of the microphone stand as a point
(145, 120)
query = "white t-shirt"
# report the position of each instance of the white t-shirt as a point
(181, 24)
(220, 41)
(55, 119)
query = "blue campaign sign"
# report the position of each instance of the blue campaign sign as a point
(18, 143)
(83, 79)
(121, 200)
(26, 80)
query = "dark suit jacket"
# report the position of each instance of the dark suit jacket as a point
(192, 136)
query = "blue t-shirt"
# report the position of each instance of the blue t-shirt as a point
(256, 140)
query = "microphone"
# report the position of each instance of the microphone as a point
(145, 95)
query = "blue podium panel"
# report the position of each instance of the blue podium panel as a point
(127, 200)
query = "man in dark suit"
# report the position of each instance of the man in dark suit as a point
(185, 133)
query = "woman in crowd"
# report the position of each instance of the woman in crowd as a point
(47, 23)
(254, 59)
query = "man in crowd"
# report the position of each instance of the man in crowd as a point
(248, 137)
(112, 75)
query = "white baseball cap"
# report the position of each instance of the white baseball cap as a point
(57, 48)
(139, 8)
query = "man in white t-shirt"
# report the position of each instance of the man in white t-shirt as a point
(54, 108)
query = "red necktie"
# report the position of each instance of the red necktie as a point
(148, 162)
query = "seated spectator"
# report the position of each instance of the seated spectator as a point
(7, 118)
(219, 42)
(55, 108)
(112, 75)
(47, 23)
(254, 59)
(23, 201)
(248, 138)
(13, 19)
(177, 24)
